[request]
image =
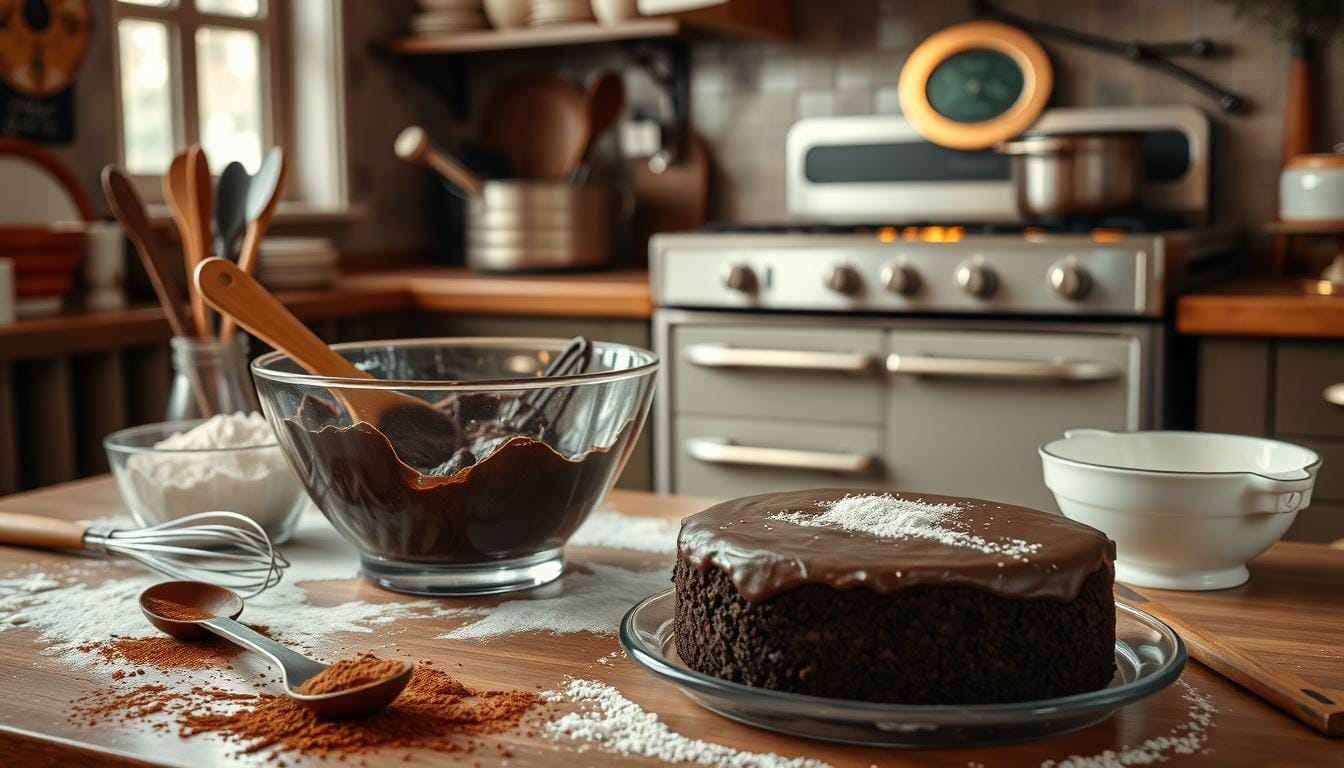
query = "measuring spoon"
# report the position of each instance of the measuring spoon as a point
(223, 607)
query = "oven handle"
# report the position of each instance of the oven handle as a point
(989, 368)
(724, 356)
(1334, 394)
(720, 451)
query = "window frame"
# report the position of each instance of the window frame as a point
(182, 19)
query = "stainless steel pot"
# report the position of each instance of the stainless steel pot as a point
(1067, 174)
(528, 225)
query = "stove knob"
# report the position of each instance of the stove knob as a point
(843, 279)
(900, 278)
(741, 278)
(1068, 279)
(976, 278)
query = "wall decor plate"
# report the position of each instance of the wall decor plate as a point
(972, 85)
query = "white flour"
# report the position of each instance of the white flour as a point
(257, 483)
(622, 726)
(888, 517)
(1186, 739)
(609, 528)
(577, 602)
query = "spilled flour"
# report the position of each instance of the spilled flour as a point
(609, 528)
(577, 602)
(1186, 739)
(617, 724)
(888, 517)
(66, 612)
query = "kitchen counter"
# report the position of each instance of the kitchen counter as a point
(1260, 306)
(1290, 611)
(446, 290)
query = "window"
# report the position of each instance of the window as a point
(196, 71)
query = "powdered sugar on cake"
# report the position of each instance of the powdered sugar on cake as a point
(885, 516)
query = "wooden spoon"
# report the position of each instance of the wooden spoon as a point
(413, 146)
(175, 192)
(129, 209)
(201, 213)
(539, 123)
(606, 101)
(422, 436)
(263, 195)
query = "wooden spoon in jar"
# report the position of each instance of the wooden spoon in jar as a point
(263, 194)
(423, 436)
(177, 194)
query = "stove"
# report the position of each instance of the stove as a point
(916, 334)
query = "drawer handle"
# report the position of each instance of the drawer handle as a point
(1334, 394)
(989, 368)
(723, 356)
(720, 451)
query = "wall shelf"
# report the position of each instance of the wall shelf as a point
(775, 25)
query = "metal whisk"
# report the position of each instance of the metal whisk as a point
(223, 548)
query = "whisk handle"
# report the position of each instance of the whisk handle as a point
(40, 531)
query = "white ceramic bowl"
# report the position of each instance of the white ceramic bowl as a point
(1186, 509)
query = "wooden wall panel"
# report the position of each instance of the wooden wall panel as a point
(46, 420)
(100, 406)
(149, 374)
(9, 434)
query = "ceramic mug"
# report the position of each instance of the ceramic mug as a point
(1311, 188)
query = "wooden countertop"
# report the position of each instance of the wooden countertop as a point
(457, 290)
(1291, 610)
(1260, 306)
(623, 294)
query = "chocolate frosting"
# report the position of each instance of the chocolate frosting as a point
(765, 556)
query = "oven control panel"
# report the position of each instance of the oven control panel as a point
(1075, 275)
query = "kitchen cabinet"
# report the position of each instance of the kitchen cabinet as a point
(1274, 387)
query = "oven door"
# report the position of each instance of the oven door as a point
(966, 410)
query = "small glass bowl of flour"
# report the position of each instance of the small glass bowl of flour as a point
(227, 462)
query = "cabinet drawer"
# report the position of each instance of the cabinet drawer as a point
(1305, 369)
(800, 374)
(738, 457)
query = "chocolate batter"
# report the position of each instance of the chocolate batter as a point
(765, 557)
(499, 495)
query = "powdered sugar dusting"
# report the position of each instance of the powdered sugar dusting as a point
(889, 517)
(619, 725)
(609, 528)
(578, 602)
(1186, 739)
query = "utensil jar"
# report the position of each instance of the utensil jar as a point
(210, 377)
(1062, 175)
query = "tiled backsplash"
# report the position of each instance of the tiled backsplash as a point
(848, 56)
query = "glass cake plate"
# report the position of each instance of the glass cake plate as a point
(1149, 656)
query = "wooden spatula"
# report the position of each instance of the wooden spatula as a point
(129, 209)
(1319, 708)
(423, 436)
(175, 192)
(201, 212)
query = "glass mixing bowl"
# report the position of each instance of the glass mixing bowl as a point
(459, 469)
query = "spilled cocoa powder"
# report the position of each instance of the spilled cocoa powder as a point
(166, 653)
(348, 674)
(170, 609)
(435, 712)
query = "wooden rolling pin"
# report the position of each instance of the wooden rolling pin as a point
(1318, 707)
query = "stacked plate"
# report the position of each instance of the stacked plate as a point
(560, 12)
(449, 16)
(297, 262)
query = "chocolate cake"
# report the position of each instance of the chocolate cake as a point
(903, 598)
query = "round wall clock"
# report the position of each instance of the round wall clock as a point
(973, 85)
(42, 43)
